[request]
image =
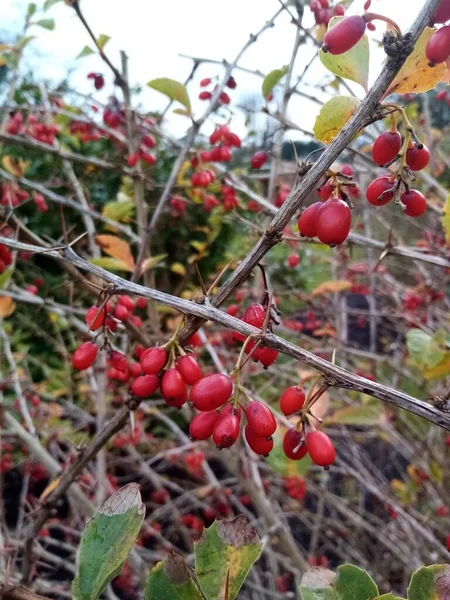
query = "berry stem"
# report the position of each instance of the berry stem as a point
(370, 16)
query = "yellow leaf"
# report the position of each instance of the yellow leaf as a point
(152, 261)
(416, 75)
(332, 117)
(111, 264)
(199, 246)
(117, 248)
(13, 166)
(182, 180)
(119, 211)
(446, 219)
(7, 306)
(440, 371)
(397, 485)
(178, 268)
(49, 489)
(332, 286)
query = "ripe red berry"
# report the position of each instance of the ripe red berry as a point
(145, 385)
(415, 203)
(386, 147)
(378, 192)
(84, 356)
(259, 444)
(344, 35)
(202, 425)
(141, 303)
(205, 96)
(291, 442)
(149, 141)
(121, 312)
(293, 260)
(326, 189)
(231, 409)
(226, 431)
(231, 83)
(205, 82)
(147, 157)
(307, 220)
(153, 360)
(266, 356)
(211, 391)
(442, 14)
(320, 448)
(118, 360)
(95, 317)
(258, 160)
(224, 98)
(255, 315)
(438, 47)
(133, 160)
(417, 158)
(292, 400)
(261, 419)
(173, 388)
(442, 95)
(189, 369)
(339, 10)
(333, 222)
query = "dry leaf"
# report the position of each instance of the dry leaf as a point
(332, 286)
(117, 248)
(7, 306)
(49, 489)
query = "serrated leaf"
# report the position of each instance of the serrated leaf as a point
(103, 40)
(178, 268)
(170, 580)
(119, 211)
(111, 264)
(224, 555)
(49, 3)
(338, 285)
(31, 9)
(117, 248)
(354, 64)
(353, 583)
(5, 278)
(46, 24)
(318, 584)
(332, 117)
(172, 89)
(85, 52)
(430, 583)
(425, 351)
(446, 219)
(272, 79)
(152, 261)
(7, 306)
(357, 415)
(416, 75)
(107, 540)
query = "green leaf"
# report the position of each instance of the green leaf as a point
(181, 111)
(85, 52)
(369, 414)
(170, 580)
(172, 89)
(425, 351)
(107, 540)
(49, 3)
(353, 583)
(271, 80)
(103, 40)
(46, 24)
(430, 583)
(224, 555)
(354, 64)
(31, 9)
(5, 278)
(318, 584)
(280, 463)
(119, 211)
(111, 264)
(446, 219)
(332, 117)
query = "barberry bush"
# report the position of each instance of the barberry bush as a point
(228, 349)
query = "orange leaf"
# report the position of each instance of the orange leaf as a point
(117, 248)
(13, 166)
(332, 286)
(49, 489)
(7, 306)
(325, 331)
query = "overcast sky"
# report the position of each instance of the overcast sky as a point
(155, 32)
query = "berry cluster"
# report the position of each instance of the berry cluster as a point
(330, 221)
(40, 131)
(12, 195)
(258, 315)
(323, 11)
(224, 98)
(87, 132)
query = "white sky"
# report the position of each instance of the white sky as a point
(154, 32)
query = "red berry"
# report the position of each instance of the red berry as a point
(84, 356)
(438, 47)
(258, 160)
(261, 419)
(141, 303)
(231, 409)
(121, 312)
(415, 203)
(442, 14)
(205, 82)
(292, 400)
(386, 147)
(231, 83)
(326, 190)
(442, 95)
(333, 222)
(149, 141)
(232, 310)
(442, 511)
(378, 192)
(95, 317)
(266, 356)
(195, 340)
(344, 35)
(224, 98)
(259, 444)
(255, 315)
(202, 425)
(320, 448)
(173, 388)
(118, 360)
(417, 159)
(226, 431)
(211, 391)
(153, 360)
(339, 10)
(307, 220)
(293, 260)
(145, 385)
(147, 157)
(205, 96)
(189, 369)
(133, 160)
(292, 439)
